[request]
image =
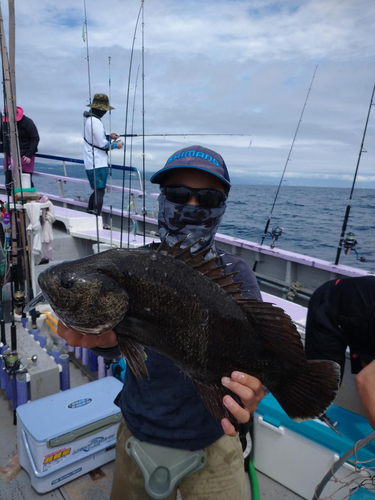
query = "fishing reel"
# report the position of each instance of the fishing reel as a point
(12, 363)
(275, 234)
(19, 301)
(349, 242)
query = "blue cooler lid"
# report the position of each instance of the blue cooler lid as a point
(61, 413)
(363, 494)
(352, 427)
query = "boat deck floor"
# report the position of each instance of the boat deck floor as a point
(93, 486)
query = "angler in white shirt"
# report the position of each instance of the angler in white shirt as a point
(95, 150)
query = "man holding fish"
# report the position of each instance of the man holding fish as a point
(196, 336)
(223, 475)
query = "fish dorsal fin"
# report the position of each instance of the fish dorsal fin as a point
(196, 259)
(208, 267)
(275, 329)
(164, 247)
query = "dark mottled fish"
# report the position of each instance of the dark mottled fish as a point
(188, 309)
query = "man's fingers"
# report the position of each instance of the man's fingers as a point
(248, 388)
(228, 428)
(242, 415)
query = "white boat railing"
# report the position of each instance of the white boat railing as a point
(64, 179)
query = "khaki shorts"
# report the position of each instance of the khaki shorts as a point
(222, 478)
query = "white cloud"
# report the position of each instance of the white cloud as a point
(222, 66)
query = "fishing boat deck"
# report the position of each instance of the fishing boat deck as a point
(83, 225)
(74, 224)
(93, 486)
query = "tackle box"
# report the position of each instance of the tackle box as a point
(65, 435)
(298, 455)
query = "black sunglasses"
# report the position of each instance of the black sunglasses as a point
(210, 198)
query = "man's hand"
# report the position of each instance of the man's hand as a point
(250, 390)
(365, 382)
(75, 339)
(114, 136)
(120, 145)
(26, 159)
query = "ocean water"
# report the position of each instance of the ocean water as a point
(311, 217)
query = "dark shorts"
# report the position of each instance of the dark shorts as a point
(101, 175)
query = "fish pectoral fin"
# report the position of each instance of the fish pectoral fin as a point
(133, 352)
(212, 395)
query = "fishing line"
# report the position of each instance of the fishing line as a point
(85, 36)
(126, 125)
(347, 212)
(265, 232)
(131, 161)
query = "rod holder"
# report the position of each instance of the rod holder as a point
(93, 362)
(85, 356)
(65, 373)
(101, 367)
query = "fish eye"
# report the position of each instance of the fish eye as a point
(67, 283)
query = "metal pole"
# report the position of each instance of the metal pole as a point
(12, 47)
(11, 105)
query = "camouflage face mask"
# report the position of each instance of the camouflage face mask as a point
(195, 222)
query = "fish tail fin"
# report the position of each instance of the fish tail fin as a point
(309, 394)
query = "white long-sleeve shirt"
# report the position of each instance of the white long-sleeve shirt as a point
(94, 133)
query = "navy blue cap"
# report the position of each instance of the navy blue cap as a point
(196, 157)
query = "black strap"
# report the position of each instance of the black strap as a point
(93, 145)
(97, 147)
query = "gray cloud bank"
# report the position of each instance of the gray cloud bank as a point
(221, 67)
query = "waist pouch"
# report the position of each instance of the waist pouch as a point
(162, 467)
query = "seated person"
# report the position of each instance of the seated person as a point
(341, 313)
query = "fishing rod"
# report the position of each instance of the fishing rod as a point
(143, 125)
(131, 162)
(347, 212)
(10, 121)
(110, 154)
(279, 230)
(85, 36)
(10, 357)
(126, 123)
(183, 135)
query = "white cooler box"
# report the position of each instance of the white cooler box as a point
(298, 455)
(68, 434)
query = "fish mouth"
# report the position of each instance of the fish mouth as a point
(38, 299)
(97, 330)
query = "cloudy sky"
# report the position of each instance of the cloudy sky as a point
(211, 67)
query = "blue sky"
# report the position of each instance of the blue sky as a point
(223, 67)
